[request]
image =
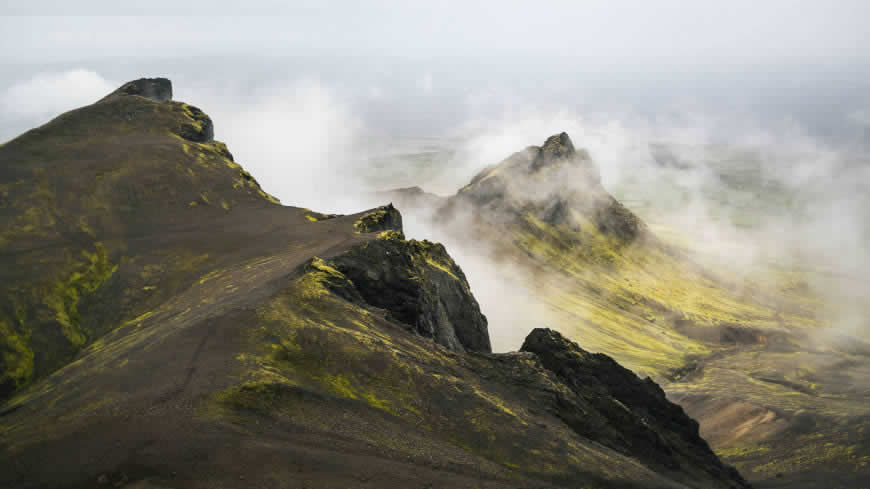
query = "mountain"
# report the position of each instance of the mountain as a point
(167, 324)
(741, 354)
(554, 184)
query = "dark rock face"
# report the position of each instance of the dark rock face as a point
(420, 286)
(157, 89)
(619, 410)
(615, 219)
(556, 148)
(200, 129)
(385, 218)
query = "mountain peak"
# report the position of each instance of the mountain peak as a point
(557, 147)
(157, 89)
(556, 183)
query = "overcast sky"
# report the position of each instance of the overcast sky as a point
(675, 34)
(342, 72)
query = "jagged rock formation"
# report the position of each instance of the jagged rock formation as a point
(622, 411)
(554, 183)
(385, 218)
(170, 325)
(416, 282)
(157, 89)
(421, 287)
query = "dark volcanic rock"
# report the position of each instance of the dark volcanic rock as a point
(615, 219)
(197, 128)
(421, 287)
(201, 129)
(630, 415)
(385, 218)
(558, 148)
(157, 89)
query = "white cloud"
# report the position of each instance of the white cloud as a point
(298, 138)
(860, 117)
(49, 94)
(426, 84)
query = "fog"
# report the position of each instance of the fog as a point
(324, 103)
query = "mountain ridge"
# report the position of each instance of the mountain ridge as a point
(226, 340)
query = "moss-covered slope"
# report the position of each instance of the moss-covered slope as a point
(304, 382)
(98, 210)
(166, 324)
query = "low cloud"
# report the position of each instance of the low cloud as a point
(299, 138)
(49, 94)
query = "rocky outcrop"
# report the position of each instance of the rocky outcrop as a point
(555, 183)
(616, 408)
(420, 286)
(199, 128)
(157, 89)
(559, 148)
(384, 218)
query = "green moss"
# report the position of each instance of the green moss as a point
(195, 116)
(318, 216)
(314, 283)
(812, 455)
(61, 300)
(17, 368)
(66, 294)
(391, 235)
(268, 197)
(743, 451)
(369, 221)
(627, 299)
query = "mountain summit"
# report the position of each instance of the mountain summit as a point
(553, 183)
(157, 89)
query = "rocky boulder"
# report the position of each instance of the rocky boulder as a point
(157, 89)
(616, 408)
(384, 218)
